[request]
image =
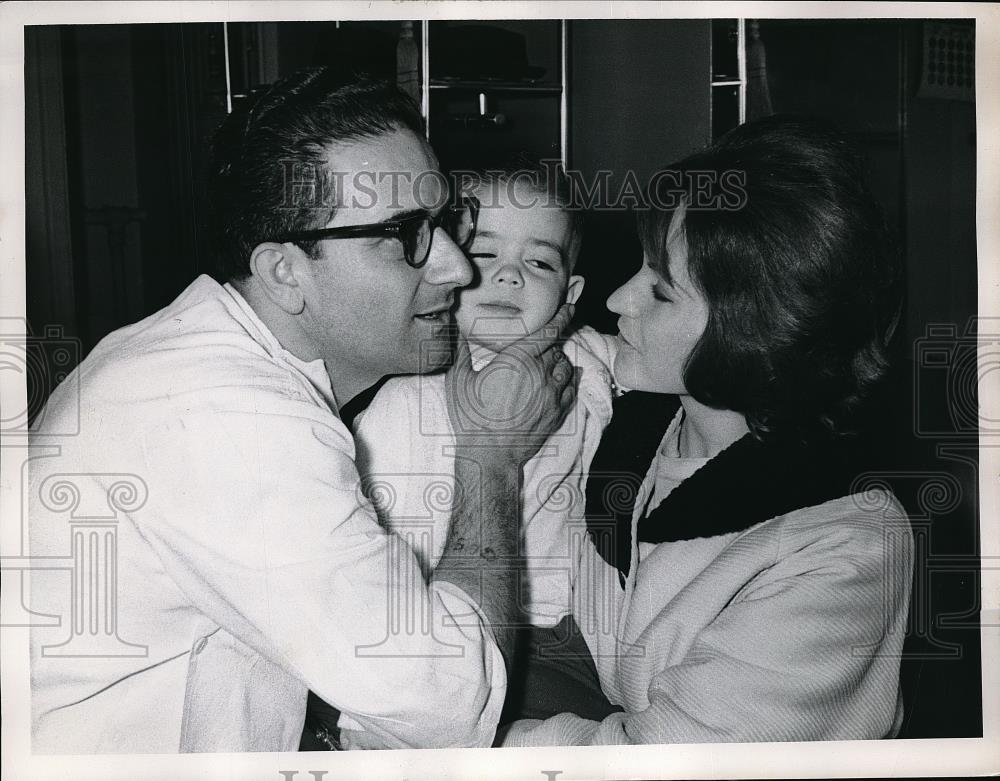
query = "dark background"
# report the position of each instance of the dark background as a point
(118, 118)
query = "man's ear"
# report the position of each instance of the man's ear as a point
(574, 288)
(274, 265)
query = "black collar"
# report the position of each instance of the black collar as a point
(749, 482)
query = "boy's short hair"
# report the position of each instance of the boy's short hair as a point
(545, 178)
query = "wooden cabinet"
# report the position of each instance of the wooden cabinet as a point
(729, 74)
(488, 89)
(495, 89)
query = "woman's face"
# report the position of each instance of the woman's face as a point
(660, 323)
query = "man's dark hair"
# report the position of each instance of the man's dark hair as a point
(802, 283)
(268, 163)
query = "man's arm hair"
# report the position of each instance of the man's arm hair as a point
(500, 417)
(482, 554)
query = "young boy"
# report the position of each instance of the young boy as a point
(525, 249)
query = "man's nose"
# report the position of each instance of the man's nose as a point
(447, 264)
(508, 274)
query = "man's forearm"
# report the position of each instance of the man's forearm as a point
(482, 554)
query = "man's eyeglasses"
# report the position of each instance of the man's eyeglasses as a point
(415, 232)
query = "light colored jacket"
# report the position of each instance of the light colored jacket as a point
(242, 567)
(791, 629)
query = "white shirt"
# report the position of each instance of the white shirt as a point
(249, 566)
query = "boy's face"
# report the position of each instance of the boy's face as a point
(522, 254)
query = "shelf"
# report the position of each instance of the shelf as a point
(530, 90)
(727, 78)
(495, 86)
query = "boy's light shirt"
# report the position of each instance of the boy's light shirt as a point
(406, 448)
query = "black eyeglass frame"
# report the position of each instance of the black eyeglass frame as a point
(395, 229)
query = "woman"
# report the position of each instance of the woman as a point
(748, 593)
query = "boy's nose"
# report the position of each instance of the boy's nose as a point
(508, 275)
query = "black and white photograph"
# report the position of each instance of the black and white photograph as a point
(539, 391)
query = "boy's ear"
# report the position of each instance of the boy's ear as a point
(574, 288)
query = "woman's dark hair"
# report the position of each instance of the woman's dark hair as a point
(791, 253)
(267, 173)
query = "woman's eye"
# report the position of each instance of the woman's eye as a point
(659, 295)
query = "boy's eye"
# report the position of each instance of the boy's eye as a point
(540, 264)
(478, 255)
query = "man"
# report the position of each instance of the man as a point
(247, 567)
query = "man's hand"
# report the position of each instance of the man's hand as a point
(515, 402)
(501, 415)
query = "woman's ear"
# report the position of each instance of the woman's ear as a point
(574, 288)
(274, 265)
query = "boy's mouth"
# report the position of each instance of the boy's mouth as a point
(501, 307)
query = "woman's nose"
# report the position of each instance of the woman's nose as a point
(622, 301)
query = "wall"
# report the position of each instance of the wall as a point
(639, 94)
(49, 272)
(940, 212)
(939, 403)
(102, 153)
(639, 99)
(118, 118)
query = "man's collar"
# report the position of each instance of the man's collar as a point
(315, 370)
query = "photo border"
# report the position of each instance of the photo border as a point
(917, 757)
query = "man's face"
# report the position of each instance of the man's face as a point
(367, 312)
